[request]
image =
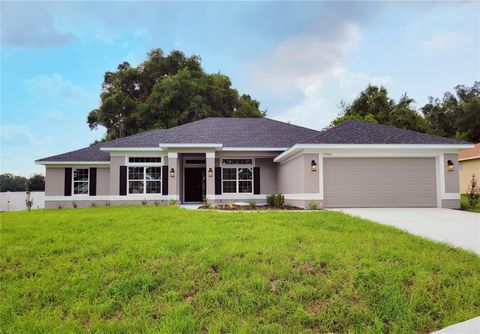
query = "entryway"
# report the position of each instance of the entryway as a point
(195, 187)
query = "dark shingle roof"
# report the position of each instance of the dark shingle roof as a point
(256, 132)
(359, 132)
(230, 132)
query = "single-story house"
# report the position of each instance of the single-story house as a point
(469, 165)
(353, 164)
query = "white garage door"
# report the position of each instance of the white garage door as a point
(379, 182)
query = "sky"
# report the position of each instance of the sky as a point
(299, 59)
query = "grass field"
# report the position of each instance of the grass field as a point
(169, 270)
(465, 206)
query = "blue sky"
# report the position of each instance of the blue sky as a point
(298, 59)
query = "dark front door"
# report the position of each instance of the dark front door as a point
(194, 184)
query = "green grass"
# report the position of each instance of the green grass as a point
(466, 207)
(168, 270)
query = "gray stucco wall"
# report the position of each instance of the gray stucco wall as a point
(115, 163)
(54, 181)
(268, 175)
(310, 177)
(103, 181)
(452, 178)
(290, 178)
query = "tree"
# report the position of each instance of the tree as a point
(163, 92)
(36, 183)
(374, 105)
(456, 115)
(10, 182)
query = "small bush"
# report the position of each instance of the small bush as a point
(473, 192)
(74, 204)
(231, 205)
(276, 200)
(252, 203)
(144, 202)
(156, 203)
(312, 206)
(205, 202)
(107, 204)
(93, 205)
(172, 202)
(59, 206)
(29, 200)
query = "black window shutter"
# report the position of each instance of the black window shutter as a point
(218, 180)
(92, 191)
(165, 180)
(123, 180)
(68, 182)
(256, 180)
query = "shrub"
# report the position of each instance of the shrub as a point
(252, 203)
(107, 204)
(231, 205)
(93, 205)
(74, 204)
(205, 202)
(144, 202)
(172, 202)
(276, 200)
(156, 203)
(59, 206)
(312, 206)
(473, 192)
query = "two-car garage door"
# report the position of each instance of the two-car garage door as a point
(379, 182)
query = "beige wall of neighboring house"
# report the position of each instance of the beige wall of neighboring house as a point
(467, 169)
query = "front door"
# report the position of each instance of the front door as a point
(194, 184)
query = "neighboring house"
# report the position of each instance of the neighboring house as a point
(354, 164)
(469, 165)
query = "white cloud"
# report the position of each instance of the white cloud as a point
(300, 60)
(56, 85)
(322, 97)
(31, 27)
(443, 41)
(21, 135)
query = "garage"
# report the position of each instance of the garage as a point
(379, 182)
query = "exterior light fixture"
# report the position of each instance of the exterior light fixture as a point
(172, 172)
(210, 172)
(313, 166)
(450, 166)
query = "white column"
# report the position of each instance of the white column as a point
(210, 183)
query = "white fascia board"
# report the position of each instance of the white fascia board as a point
(72, 162)
(254, 149)
(206, 145)
(316, 147)
(469, 158)
(128, 149)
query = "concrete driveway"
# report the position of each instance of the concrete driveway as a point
(459, 228)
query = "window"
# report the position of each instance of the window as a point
(150, 160)
(237, 161)
(144, 180)
(80, 181)
(237, 179)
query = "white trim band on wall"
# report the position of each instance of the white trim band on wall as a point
(451, 196)
(139, 197)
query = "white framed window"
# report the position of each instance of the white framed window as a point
(144, 179)
(237, 176)
(80, 179)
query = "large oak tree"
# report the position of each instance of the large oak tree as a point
(165, 91)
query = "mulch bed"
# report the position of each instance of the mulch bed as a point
(227, 207)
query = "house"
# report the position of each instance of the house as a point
(353, 164)
(469, 165)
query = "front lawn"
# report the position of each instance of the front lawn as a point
(169, 270)
(466, 206)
